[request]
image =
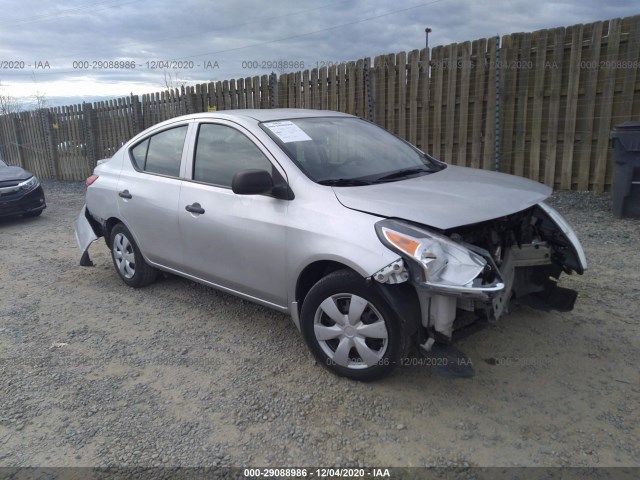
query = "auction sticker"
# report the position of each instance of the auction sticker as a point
(287, 131)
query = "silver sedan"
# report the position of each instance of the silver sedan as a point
(373, 247)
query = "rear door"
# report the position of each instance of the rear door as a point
(149, 192)
(233, 241)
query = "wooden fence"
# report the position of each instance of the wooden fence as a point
(539, 105)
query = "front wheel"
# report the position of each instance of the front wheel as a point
(128, 260)
(350, 329)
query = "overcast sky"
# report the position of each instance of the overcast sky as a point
(46, 47)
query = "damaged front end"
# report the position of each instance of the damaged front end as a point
(473, 272)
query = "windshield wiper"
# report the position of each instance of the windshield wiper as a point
(407, 172)
(343, 182)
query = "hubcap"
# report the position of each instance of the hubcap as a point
(350, 331)
(123, 255)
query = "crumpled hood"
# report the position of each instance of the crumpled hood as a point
(13, 173)
(450, 198)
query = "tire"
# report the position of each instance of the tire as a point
(127, 259)
(365, 348)
(32, 214)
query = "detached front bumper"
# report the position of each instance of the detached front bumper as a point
(85, 236)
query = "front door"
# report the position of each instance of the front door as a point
(234, 241)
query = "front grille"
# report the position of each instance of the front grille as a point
(10, 183)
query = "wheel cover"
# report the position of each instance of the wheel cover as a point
(351, 331)
(124, 256)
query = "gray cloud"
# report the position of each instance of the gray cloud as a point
(245, 30)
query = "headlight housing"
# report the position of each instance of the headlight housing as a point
(441, 261)
(29, 184)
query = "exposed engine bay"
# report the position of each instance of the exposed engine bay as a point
(474, 272)
(529, 252)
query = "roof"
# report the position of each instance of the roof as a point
(270, 114)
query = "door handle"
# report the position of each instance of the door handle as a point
(194, 208)
(124, 194)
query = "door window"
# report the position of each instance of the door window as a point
(221, 151)
(161, 153)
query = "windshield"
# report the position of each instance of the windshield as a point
(348, 151)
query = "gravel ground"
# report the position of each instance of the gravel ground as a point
(176, 374)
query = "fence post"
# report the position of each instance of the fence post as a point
(17, 135)
(137, 114)
(497, 111)
(368, 89)
(47, 126)
(89, 126)
(273, 88)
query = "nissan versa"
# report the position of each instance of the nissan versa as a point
(372, 246)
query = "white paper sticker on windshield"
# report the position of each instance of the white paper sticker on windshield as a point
(287, 131)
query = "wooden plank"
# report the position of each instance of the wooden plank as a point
(437, 71)
(341, 72)
(226, 96)
(314, 90)
(554, 106)
(242, 92)
(479, 49)
(606, 106)
(401, 68)
(360, 90)
(306, 89)
(350, 81)
(464, 69)
(122, 117)
(540, 41)
(233, 94)
(255, 91)
(219, 98)
(587, 111)
(424, 112)
(390, 67)
(269, 91)
(522, 71)
(449, 131)
(322, 81)
(294, 88)
(571, 108)
(247, 97)
(509, 76)
(413, 79)
(332, 99)
(380, 75)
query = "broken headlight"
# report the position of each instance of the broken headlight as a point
(441, 261)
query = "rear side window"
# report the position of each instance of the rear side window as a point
(222, 151)
(161, 153)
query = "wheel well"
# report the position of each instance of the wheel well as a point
(402, 298)
(108, 226)
(312, 274)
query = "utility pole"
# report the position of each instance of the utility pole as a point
(427, 31)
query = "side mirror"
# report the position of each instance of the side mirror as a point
(252, 182)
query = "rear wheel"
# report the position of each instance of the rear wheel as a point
(350, 329)
(128, 260)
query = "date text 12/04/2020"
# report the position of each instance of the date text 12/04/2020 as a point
(316, 472)
(148, 65)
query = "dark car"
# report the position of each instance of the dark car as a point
(20, 192)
